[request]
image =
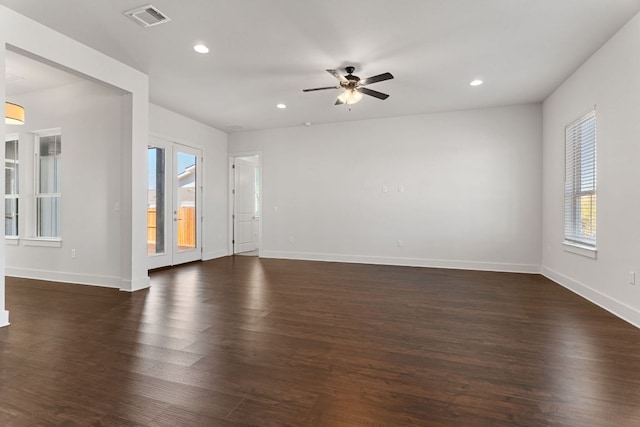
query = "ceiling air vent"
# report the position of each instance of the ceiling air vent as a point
(147, 16)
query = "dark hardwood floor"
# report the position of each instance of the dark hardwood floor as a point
(244, 341)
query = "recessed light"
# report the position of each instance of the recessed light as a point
(281, 106)
(476, 83)
(307, 123)
(200, 48)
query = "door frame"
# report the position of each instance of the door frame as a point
(231, 181)
(169, 145)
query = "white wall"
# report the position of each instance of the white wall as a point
(90, 116)
(4, 314)
(91, 119)
(28, 36)
(213, 143)
(611, 81)
(471, 189)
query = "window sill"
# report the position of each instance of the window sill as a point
(44, 242)
(11, 240)
(585, 251)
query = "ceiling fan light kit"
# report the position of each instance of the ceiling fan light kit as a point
(354, 87)
(350, 96)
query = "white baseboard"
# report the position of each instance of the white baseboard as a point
(135, 285)
(4, 318)
(58, 276)
(615, 307)
(406, 262)
(214, 254)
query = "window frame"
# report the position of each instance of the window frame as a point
(15, 194)
(37, 195)
(581, 140)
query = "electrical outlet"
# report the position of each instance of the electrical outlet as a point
(400, 243)
(632, 278)
(73, 253)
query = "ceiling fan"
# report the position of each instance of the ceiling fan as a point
(354, 86)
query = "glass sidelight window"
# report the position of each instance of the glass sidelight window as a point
(155, 200)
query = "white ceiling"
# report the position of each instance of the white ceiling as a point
(24, 74)
(264, 52)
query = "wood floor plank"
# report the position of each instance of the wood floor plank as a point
(243, 341)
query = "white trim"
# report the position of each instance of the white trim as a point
(164, 145)
(230, 196)
(27, 35)
(37, 195)
(47, 132)
(4, 318)
(230, 207)
(64, 277)
(406, 262)
(578, 249)
(207, 256)
(177, 256)
(13, 137)
(171, 256)
(581, 139)
(613, 306)
(42, 241)
(135, 285)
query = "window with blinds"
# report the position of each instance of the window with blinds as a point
(580, 182)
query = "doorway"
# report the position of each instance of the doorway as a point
(246, 205)
(174, 196)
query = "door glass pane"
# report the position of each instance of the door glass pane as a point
(155, 201)
(186, 201)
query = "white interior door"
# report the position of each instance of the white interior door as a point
(245, 202)
(174, 203)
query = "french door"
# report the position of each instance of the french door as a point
(174, 218)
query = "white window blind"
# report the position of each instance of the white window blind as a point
(580, 182)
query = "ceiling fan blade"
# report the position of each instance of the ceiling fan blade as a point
(373, 93)
(375, 79)
(321, 88)
(337, 75)
(338, 102)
